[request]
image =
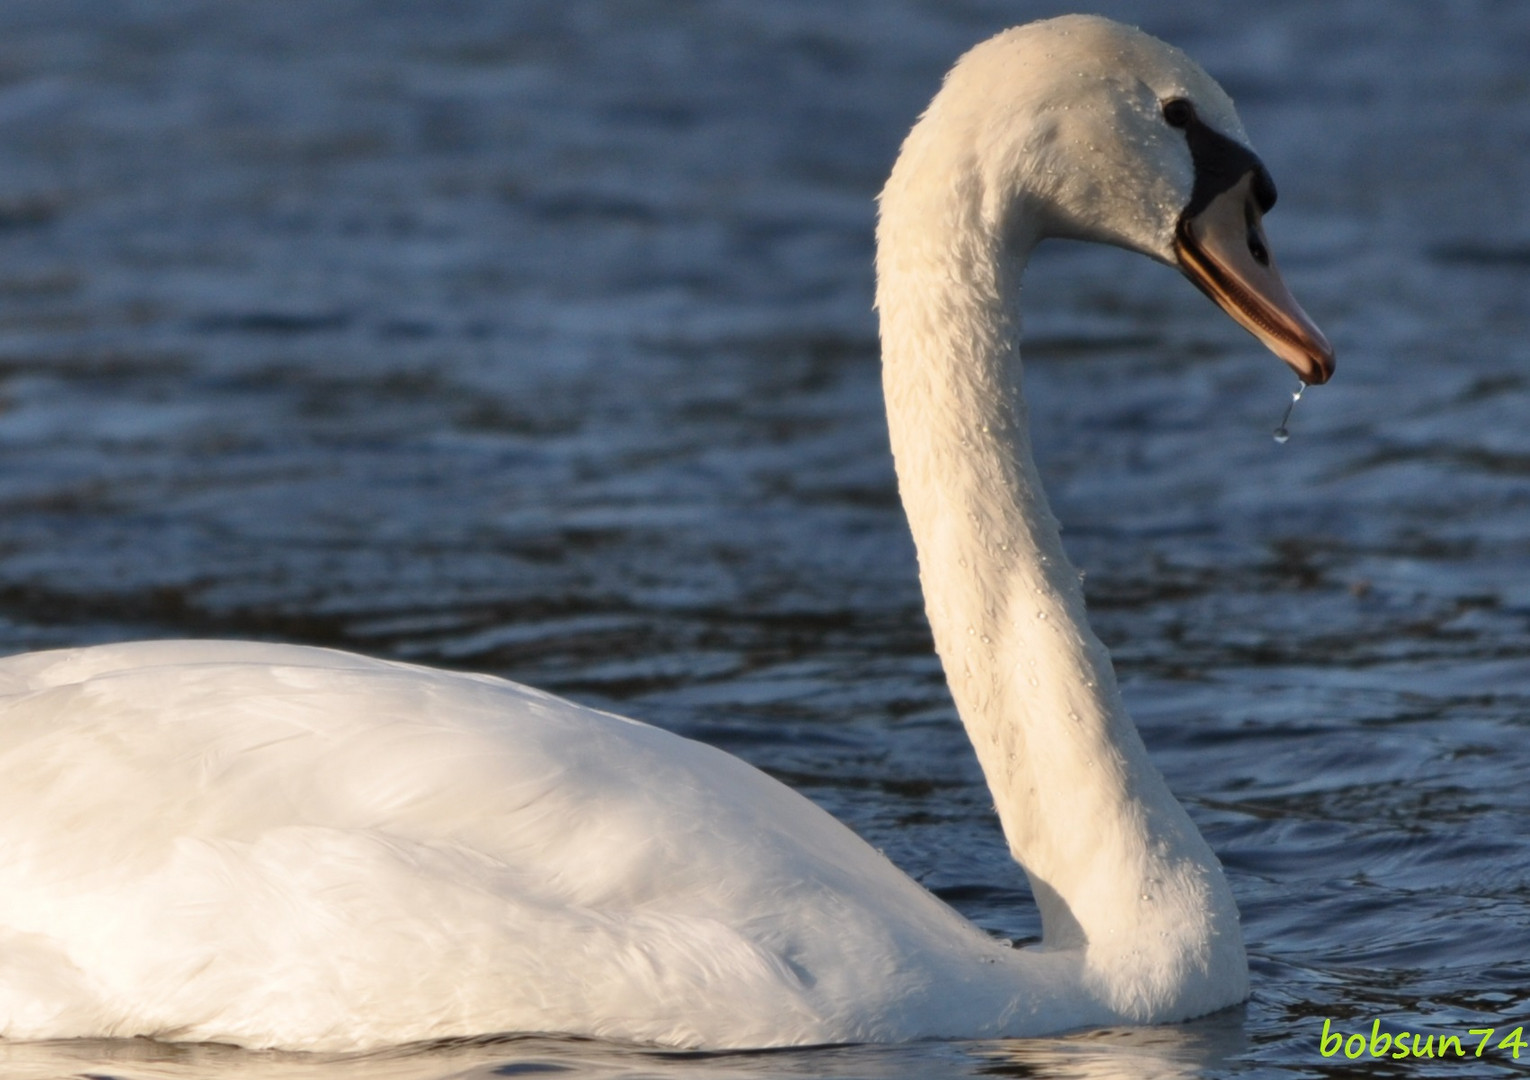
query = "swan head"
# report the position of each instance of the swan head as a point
(1082, 128)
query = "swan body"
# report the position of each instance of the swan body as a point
(284, 846)
(280, 845)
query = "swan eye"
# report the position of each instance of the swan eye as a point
(1178, 112)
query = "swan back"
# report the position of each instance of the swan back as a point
(278, 845)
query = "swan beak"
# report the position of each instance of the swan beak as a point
(1222, 250)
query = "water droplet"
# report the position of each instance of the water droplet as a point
(1041, 614)
(971, 631)
(985, 639)
(1282, 433)
(1035, 681)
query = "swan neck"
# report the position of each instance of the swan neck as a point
(1112, 858)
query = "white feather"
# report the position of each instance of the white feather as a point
(282, 846)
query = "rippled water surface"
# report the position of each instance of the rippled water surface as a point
(535, 338)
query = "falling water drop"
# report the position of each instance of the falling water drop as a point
(1282, 434)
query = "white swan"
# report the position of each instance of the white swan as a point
(284, 846)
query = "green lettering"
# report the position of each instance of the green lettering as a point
(1486, 1033)
(1514, 1040)
(1446, 1040)
(1337, 1037)
(1402, 1044)
(1354, 1046)
(1386, 1043)
(1423, 1049)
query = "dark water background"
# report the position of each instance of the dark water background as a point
(535, 337)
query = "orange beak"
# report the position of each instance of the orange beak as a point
(1222, 250)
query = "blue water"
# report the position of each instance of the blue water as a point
(535, 338)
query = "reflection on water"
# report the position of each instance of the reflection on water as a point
(1166, 1053)
(536, 338)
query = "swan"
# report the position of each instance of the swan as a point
(281, 846)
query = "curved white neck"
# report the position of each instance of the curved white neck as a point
(1116, 865)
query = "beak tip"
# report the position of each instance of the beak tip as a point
(1316, 365)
